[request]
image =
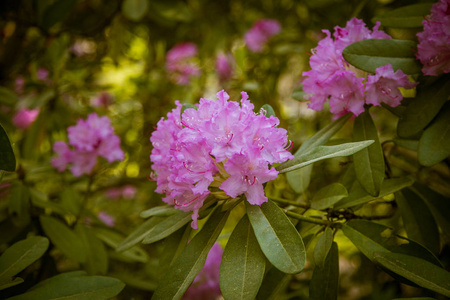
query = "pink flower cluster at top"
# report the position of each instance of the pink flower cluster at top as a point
(206, 285)
(180, 63)
(346, 88)
(25, 117)
(189, 151)
(257, 36)
(433, 49)
(90, 139)
(225, 66)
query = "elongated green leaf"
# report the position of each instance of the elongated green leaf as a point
(63, 238)
(299, 179)
(19, 205)
(369, 162)
(274, 282)
(410, 16)
(171, 10)
(7, 158)
(324, 281)
(113, 239)
(322, 248)
(184, 269)
(243, 264)
(321, 153)
(20, 255)
(74, 285)
(173, 246)
(269, 110)
(368, 55)
(416, 270)
(408, 144)
(434, 145)
(135, 9)
(8, 97)
(328, 196)
(277, 236)
(358, 195)
(418, 220)
(10, 283)
(96, 256)
(139, 233)
(168, 226)
(420, 111)
(160, 211)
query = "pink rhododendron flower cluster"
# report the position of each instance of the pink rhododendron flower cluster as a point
(433, 49)
(106, 218)
(25, 117)
(257, 36)
(220, 145)
(225, 66)
(206, 285)
(180, 63)
(90, 139)
(346, 88)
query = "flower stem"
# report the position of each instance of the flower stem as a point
(289, 202)
(306, 219)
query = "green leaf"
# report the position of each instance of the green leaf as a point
(419, 271)
(420, 111)
(71, 201)
(328, 196)
(57, 12)
(416, 298)
(419, 223)
(63, 238)
(324, 282)
(269, 110)
(19, 205)
(277, 237)
(434, 145)
(322, 248)
(167, 226)
(10, 283)
(7, 158)
(8, 97)
(368, 55)
(135, 10)
(369, 162)
(160, 211)
(19, 256)
(299, 179)
(298, 94)
(321, 153)
(358, 195)
(273, 284)
(186, 267)
(113, 239)
(96, 256)
(171, 10)
(74, 285)
(408, 144)
(186, 106)
(243, 264)
(139, 233)
(410, 16)
(173, 246)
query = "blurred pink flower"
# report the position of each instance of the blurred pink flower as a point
(103, 99)
(19, 85)
(127, 192)
(225, 66)
(433, 49)
(90, 139)
(257, 36)
(206, 285)
(25, 117)
(106, 218)
(42, 74)
(180, 63)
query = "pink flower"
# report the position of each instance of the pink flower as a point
(127, 192)
(25, 117)
(42, 74)
(331, 79)
(206, 285)
(106, 218)
(103, 99)
(257, 36)
(90, 139)
(19, 85)
(224, 66)
(433, 49)
(180, 63)
(189, 150)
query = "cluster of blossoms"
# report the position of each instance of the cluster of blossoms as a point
(180, 63)
(206, 284)
(433, 49)
(346, 88)
(257, 36)
(90, 139)
(218, 145)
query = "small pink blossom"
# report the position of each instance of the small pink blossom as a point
(103, 99)
(224, 66)
(25, 117)
(106, 218)
(206, 284)
(19, 85)
(257, 36)
(433, 49)
(90, 139)
(189, 149)
(42, 74)
(127, 192)
(180, 63)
